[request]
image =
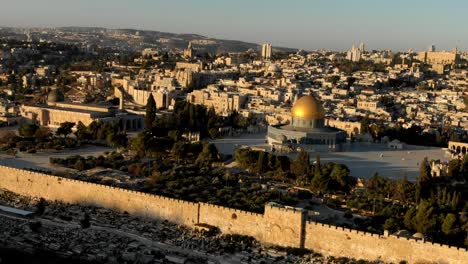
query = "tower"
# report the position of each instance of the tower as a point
(431, 48)
(362, 46)
(188, 52)
(266, 51)
(285, 225)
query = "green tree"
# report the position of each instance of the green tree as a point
(180, 149)
(82, 131)
(208, 155)
(365, 123)
(151, 109)
(282, 163)
(425, 219)
(424, 171)
(423, 180)
(65, 128)
(43, 133)
(340, 178)
(262, 162)
(318, 166)
(454, 168)
(174, 135)
(408, 219)
(378, 186)
(320, 182)
(213, 118)
(464, 167)
(246, 158)
(214, 132)
(300, 167)
(117, 140)
(138, 144)
(391, 224)
(80, 165)
(27, 129)
(448, 226)
(404, 190)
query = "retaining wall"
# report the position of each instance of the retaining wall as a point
(279, 225)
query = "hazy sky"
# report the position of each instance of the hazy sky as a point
(308, 24)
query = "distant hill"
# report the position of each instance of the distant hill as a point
(132, 39)
(178, 41)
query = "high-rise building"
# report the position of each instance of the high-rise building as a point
(431, 48)
(266, 51)
(362, 46)
(355, 54)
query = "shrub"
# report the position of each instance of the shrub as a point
(348, 215)
(35, 226)
(85, 222)
(41, 206)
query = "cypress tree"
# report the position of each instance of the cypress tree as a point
(318, 167)
(150, 116)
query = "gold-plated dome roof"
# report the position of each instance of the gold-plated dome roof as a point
(308, 107)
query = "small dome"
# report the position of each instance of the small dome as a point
(308, 107)
(55, 96)
(403, 233)
(418, 236)
(273, 68)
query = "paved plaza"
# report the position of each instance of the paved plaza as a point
(41, 160)
(363, 159)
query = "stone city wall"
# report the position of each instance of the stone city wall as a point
(285, 226)
(340, 241)
(71, 191)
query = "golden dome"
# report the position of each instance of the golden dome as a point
(308, 107)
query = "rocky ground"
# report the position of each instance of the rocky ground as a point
(60, 235)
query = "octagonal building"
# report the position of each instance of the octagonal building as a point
(307, 130)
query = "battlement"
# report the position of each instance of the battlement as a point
(344, 229)
(284, 208)
(280, 225)
(229, 210)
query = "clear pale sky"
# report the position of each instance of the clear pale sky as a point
(308, 24)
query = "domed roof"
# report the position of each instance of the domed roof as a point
(418, 236)
(55, 96)
(308, 107)
(273, 68)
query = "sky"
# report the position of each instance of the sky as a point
(306, 24)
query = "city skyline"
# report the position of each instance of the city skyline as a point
(334, 25)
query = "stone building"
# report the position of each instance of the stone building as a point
(56, 111)
(352, 129)
(223, 102)
(188, 52)
(439, 57)
(307, 130)
(368, 105)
